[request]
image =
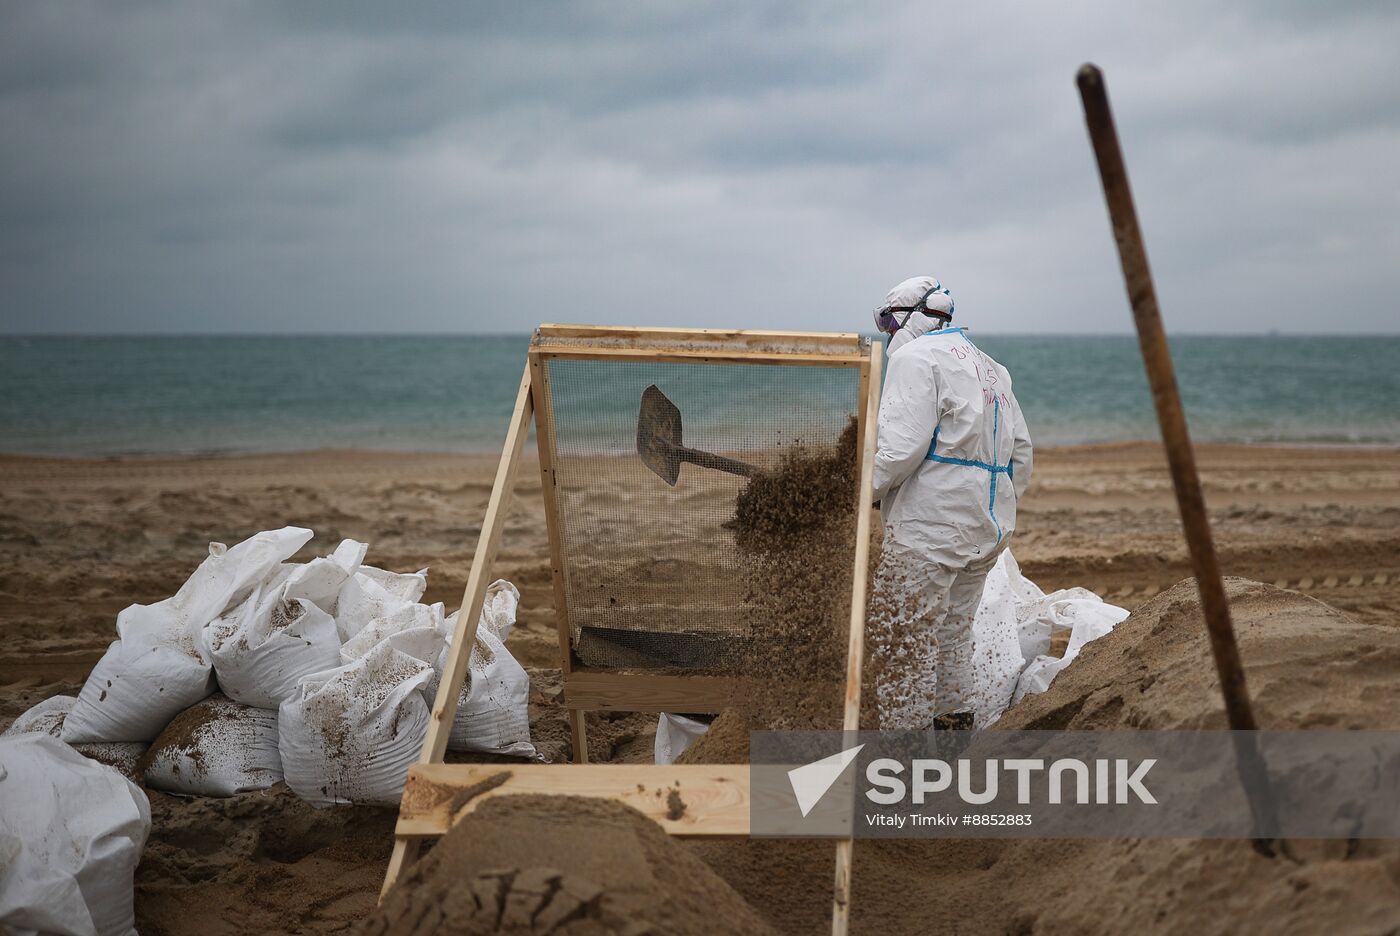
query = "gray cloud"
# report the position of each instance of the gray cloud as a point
(483, 167)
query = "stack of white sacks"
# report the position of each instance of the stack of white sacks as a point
(326, 673)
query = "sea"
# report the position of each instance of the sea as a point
(105, 396)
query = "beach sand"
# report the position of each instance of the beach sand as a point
(81, 539)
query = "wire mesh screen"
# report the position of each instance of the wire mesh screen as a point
(652, 576)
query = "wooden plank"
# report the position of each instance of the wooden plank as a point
(855, 650)
(578, 733)
(737, 336)
(473, 597)
(865, 480)
(549, 485)
(637, 692)
(404, 854)
(699, 356)
(715, 798)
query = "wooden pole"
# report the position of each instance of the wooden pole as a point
(1181, 458)
(549, 485)
(855, 649)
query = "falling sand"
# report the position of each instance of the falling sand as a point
(794, 528)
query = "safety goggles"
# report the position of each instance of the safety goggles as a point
(888, 320)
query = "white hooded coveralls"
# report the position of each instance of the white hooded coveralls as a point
(953, 457)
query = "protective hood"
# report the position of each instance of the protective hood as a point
(908, 294)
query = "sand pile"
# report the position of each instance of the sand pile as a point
(727, 741)
(263, 862)
(561, 865)
(1309, 666)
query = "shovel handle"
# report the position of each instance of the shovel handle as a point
(718, 462)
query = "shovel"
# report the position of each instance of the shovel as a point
(659, 441)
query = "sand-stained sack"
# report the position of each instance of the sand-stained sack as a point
(1012, 631)
(265, 645)
(374, 593)
(283, 631)
(155, 669)
(122, 756)
(350, 734)
(321, 580)
(217, 747)
(675, 734)
(418, 630)
(71, 833)
(48, 716)
(493, 708)
(1004, 629)
(1081, 612)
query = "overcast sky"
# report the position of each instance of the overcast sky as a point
(468, 167)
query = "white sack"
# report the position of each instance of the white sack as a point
(675, 733)
(321, 580)
(122, 756)
(996, 648)
(374, 593)
(47, 718)
(44, 718)
(350, 734)
(493, 708)
(261, 648)
(71, 835)
(418, 630)
(217, 747)
(155, 669)
(141, 683)
(1086, 616)
(1011, 635)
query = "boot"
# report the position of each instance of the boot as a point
(952, 734)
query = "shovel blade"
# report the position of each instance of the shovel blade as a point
(659, 435)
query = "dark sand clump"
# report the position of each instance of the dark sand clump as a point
(560, 865)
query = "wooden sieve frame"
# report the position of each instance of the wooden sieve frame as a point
(717, 797)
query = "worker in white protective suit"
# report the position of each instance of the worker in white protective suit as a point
(953, 458)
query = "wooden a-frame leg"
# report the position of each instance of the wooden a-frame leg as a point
(473, 598)
(578, 728)
(855, 649)
(544, 438)
(405, 854)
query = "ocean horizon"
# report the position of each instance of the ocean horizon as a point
(238, 394)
